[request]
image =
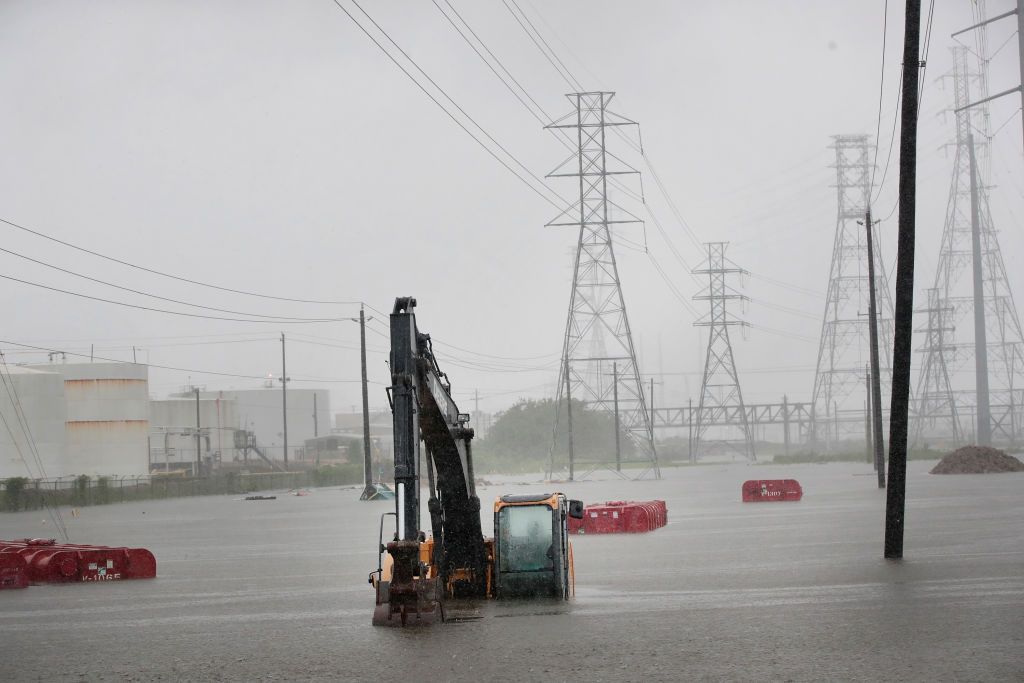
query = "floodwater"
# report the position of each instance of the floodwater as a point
(276, 590)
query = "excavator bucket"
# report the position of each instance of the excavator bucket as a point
(410, 598)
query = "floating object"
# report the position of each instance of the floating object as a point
(261, 498)
(757, 490)
(299, 492)
(47, 561)
(620, 517)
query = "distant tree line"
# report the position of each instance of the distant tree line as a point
(520, 438)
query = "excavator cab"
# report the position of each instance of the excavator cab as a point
(532, 553)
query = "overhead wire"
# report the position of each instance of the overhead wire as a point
(171, 276)
(444, 109)
(170, 312)
(569, 79)
(179, 369)
(881, 91)
(269, 318)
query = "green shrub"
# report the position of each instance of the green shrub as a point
(14, 493)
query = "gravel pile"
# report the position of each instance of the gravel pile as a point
(977, 460)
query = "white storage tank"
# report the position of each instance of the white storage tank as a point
(107, 424)
(32, 405)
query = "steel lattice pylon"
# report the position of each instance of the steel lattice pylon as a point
(599, 365)
(844, 348)
(935, 408)
(720, 386)
(953, 280)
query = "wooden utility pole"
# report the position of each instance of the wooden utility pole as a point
(876, 373)
(615, 399)
(367, 460)
(199, 437)
(868, 440)
(568, 406)
(284, 401)
(895, 502)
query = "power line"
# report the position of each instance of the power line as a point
(785, 285)
(881, 88)
(169, 275)
(570, 81)
(169, 312)
(445, 109)
(179, 369)
(456, 104)
(270, 318)
(783, 333)
(539, 118)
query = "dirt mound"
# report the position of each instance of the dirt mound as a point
(977, 460)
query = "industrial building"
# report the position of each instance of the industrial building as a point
(172, 432)
(257, 412)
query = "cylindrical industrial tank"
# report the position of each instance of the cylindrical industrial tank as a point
(33, 407)
(107, 421)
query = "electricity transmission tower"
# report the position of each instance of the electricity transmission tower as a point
(997, 316)
(935, 408)
(599, 367)
(845, 336)
(720, 395)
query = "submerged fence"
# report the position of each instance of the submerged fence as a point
(20, 493)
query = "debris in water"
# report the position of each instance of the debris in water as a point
(977, 460)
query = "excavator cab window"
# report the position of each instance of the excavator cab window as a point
(526, 538)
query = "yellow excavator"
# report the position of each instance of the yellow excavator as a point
(529, 555)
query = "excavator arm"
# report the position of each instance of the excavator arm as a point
(424, 412)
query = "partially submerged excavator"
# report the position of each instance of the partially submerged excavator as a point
(530, 554)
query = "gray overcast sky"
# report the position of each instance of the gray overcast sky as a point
(271, 147)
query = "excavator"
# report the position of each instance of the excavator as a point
(417, 575)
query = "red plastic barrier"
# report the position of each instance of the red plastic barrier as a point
(621, 517)
(13, 571)
(757, 490)
(47, 561)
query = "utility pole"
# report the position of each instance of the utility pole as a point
(876, 374)
(568, 406)
(689, 431)
(867, 417)
(199, 437)
(367, 462)
(615, 400)
(785, 424)
(284, 401)
(652, 409)
(980, 340)
(316, 422)
(895, 501)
